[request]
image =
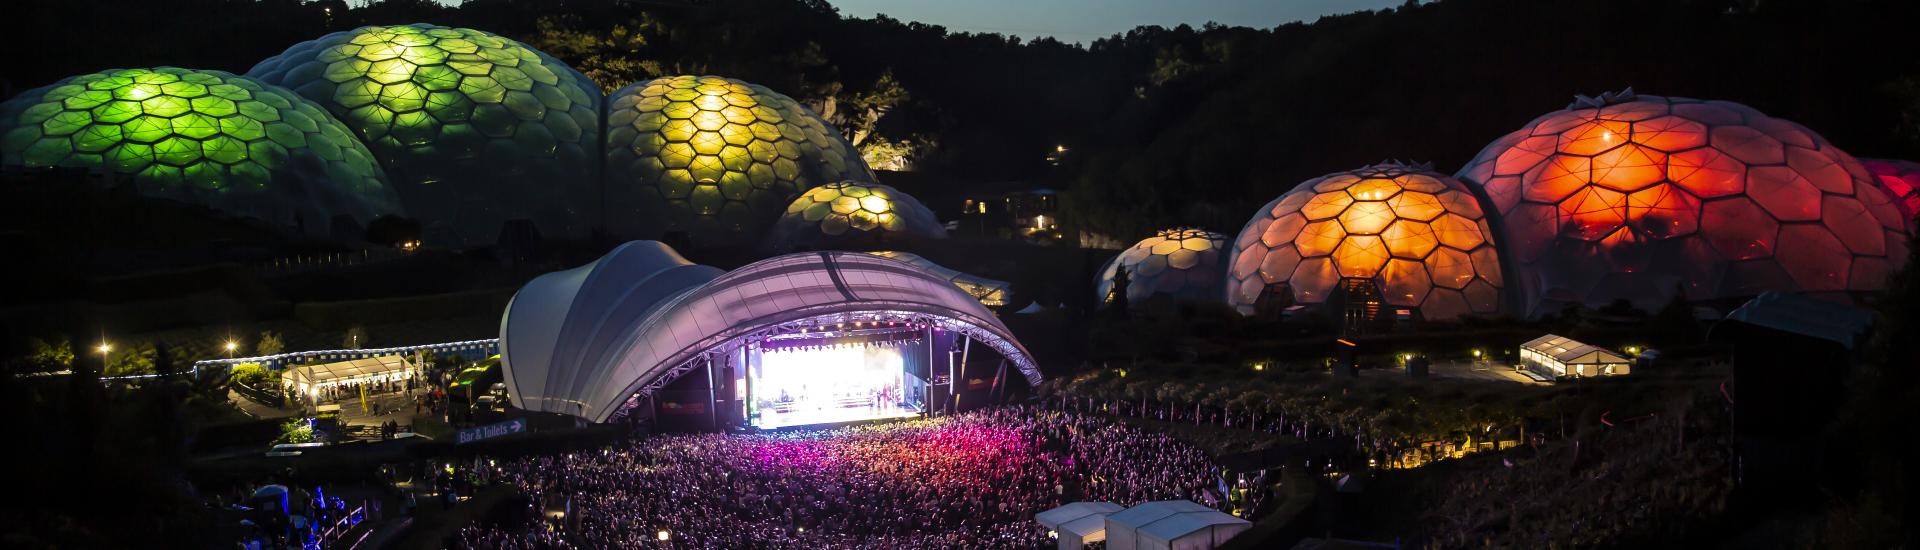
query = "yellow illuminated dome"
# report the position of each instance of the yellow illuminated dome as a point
(851, 214)
(1183, 263)
(714, 157)
(1416, 238)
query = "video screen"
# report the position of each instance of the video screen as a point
(795, 387)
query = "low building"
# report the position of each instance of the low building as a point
(1562, 357)
(1169, 524)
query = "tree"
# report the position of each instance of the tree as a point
(43, 356)
(269, 344)
(163, 359)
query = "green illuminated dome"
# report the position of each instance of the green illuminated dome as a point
(851, 214)
(714, 157)
(474, 129)
(204, 137)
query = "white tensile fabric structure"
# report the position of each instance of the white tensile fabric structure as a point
(1078, 523)
(1169, 524)
(990, 292)
(1565, 357)
(584, 340)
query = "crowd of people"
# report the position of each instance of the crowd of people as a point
(973, 480)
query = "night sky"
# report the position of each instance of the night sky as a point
(1087, 20)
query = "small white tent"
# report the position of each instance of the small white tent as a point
(1171, 524)
(1078, 523)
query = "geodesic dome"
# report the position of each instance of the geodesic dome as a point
(1899, 179)
(1632, 197)
(714, 157)
(1419, 238)
(203, 137)
(1182, 262)
(474, 129)
(851, 214)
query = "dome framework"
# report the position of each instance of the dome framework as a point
(849, 214)
(715, 157)
(1184, 263)
(1405, 235)
(1634, 197)
(475, 129)
(205, 137)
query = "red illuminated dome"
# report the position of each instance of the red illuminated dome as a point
(1632, 197)
(1389, 233)
(1899, 179)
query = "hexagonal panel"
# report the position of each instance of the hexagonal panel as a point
(400, 86)
(182, 134)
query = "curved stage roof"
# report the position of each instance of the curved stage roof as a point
(581, 341)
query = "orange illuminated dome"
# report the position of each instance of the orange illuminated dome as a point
(1403, 235)
(1627, 197)
(1900, 179)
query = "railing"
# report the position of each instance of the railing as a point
(275, 362)
(332, 534)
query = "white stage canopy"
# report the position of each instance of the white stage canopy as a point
(1171, 524)
(1076, 524)
(582, 341)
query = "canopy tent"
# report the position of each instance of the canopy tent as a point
(1564, 357)
(1076, 524)
(310, 379)
(1171, 524)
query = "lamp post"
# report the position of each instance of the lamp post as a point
(231, 345)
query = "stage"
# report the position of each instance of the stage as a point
(835, 378)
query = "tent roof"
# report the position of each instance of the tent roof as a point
(1144, 514)
(1838, 323)
(581, 341)
(1170, 519)
(1074, 511)
(1089, 529)
(1568, 350)
(346, 370)
(1179, 525)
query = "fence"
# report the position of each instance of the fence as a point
(488, 346)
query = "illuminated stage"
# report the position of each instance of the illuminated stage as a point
(806, 381)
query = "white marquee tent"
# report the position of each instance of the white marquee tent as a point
(1076, 524)
(1171, 525)
(1566, 357)
(310, 379)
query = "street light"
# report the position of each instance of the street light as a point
(231, 345)
(104, 348)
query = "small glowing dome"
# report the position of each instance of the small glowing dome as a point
(1630, 197)
(1899, 179)
(1419, 237)
(715, 157)
(475, 129)
(204, 137)
(1182, 262)
(853, 214)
